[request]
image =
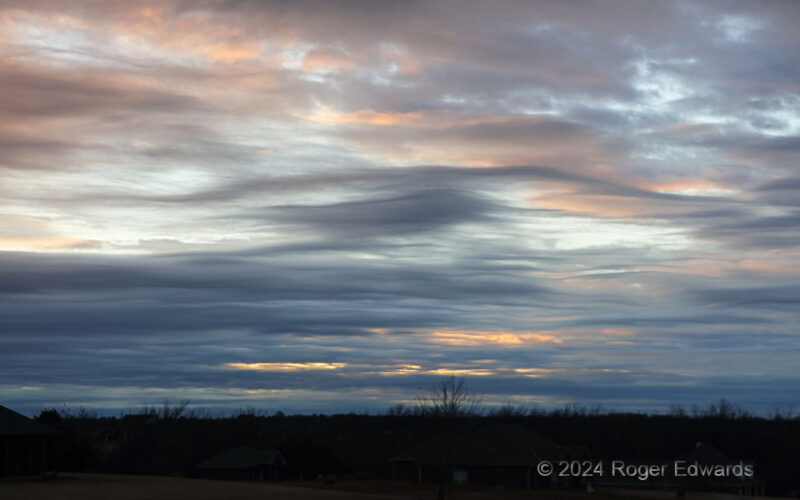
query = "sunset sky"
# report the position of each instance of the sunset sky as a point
(322, 206)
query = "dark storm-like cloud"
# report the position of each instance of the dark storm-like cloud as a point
(182, 293)
(263, 278)
(118, 297)
(417, 211)
(770, 152)
(788, 184)
(779, 297)
(782, 192)
(757, 231)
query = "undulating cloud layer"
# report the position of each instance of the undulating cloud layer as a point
(324, 206)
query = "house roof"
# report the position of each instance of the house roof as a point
(494, 444)
(705, 453)
(15, 424)
(243, 457)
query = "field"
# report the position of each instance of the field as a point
(119, 487)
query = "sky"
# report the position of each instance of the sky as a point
(325, 206)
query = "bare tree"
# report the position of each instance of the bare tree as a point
(168, 411)
(446, 404)
(449, 399)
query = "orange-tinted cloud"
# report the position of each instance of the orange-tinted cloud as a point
(476, 338)
(198, 34)
(462, 372)
(400, 370)
(476, 139)
(286, 367)
(327, 59)
(328, 116)
(37, 234)
(691, 187)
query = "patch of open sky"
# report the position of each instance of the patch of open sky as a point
(385, 75)
(124, 226)
(660, 92)
(659, 87)
(568, 232)
(315, 76)
(774, 122)
(730, 28)
(705, 191)
(786, 120)
(454, 99)
(62, 42)
(573, 232)
(292, 57)
(737, 28)
(69, 43)
(141, 177)
(667, 152)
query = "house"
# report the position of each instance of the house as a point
(705, 468)
(492, 455)
(243, 463)
(23, 446)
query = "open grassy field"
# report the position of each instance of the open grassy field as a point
(119, 487)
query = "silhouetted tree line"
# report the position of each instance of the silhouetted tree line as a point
(171, 439)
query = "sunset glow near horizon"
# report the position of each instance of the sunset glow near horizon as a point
(324, 206)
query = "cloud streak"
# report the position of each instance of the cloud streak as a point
(270, 203)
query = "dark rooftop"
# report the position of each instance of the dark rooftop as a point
(496, 444)
(705, 453)
(15, 424)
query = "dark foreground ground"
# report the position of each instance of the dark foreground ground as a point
(121, 487)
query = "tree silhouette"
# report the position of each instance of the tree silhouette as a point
(448, 400)
(446, 404)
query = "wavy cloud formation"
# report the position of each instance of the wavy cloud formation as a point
(322, 206)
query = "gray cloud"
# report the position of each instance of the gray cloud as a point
(418, 211)
(605, 193)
